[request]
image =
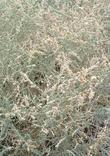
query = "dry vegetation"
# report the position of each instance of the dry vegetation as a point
(54, 78)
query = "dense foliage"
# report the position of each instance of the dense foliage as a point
(54, 78)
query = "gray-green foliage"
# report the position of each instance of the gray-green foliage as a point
(54, 78)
